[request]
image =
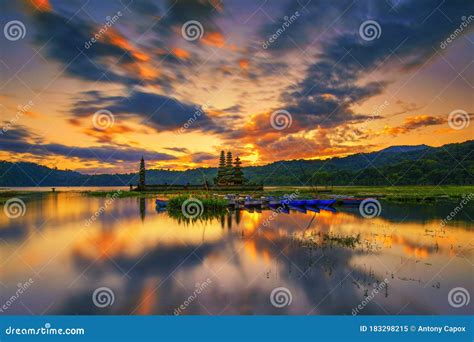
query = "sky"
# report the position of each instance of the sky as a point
(94, 85)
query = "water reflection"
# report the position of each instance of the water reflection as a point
(153, 261)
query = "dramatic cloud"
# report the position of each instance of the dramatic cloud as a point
(20, 140)
(161, 112)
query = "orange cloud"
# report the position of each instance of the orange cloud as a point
(214, 39)
(42, 5)
(180, 53)
(413, 123)
(244, 63)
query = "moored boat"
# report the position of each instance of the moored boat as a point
(161, 203)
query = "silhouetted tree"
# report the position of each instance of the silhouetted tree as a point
(141, 178)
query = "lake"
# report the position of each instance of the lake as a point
(132, 259)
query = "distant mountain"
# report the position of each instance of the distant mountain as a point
(404, 148)
(396, 165)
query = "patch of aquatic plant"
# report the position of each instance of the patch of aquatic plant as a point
(319, 240)
(208, 204)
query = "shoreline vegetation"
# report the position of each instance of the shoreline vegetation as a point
(411, 194)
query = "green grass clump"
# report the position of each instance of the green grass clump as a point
(320, 240)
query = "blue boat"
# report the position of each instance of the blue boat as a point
(294, 203)
(320, 202)
(352, 201)
(160, 203)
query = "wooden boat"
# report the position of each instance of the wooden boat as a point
(250, 202)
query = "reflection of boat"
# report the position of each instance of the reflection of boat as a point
(301, 209)
(280, 209)
(161, 203)
(327, 208)
(311, 208)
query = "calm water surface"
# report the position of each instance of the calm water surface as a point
(153, 263)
